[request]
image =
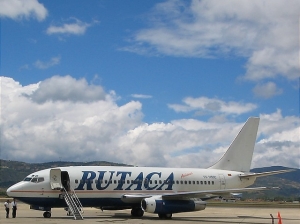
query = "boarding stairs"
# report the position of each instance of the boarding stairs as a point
(74, 205)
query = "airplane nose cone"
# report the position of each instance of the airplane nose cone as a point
(13, 190)
(9, 191)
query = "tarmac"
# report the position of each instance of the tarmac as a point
(211, 215)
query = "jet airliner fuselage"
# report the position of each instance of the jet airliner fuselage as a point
(144, 189)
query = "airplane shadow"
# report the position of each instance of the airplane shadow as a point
(121, 217)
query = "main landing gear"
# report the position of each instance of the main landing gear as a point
(137, 212)
(165, 216)
(47, 214)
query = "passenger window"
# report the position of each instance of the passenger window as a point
(201, 182)
(190, 182)
(128, 181)
(197, 181)
(212, 182)
(76, 181)
(160, 181)
(115, 181)
(177, 182)
(185, 182)
(181, 182)
(193, 182)
(208, 182)
(204, 182)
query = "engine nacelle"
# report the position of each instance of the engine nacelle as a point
(157, 205)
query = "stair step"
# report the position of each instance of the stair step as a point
(74, 204)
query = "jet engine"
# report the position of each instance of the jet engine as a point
(160, 206)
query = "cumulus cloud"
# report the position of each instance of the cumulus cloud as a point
(18, 9)
(58, 88)
(203, 105)
(141, 96)
(76, 28)
(37, 125)
(266, 90)
(263, 31)
(44, 65)
(280, 141)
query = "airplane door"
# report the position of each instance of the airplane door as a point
(55, 179)
(222, 181)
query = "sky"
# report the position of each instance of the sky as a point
(165, 83)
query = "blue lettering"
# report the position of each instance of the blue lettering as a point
(122, 179)
(169, 181)
(101, 180)
(86, 179)
(148, 179)
(138, 181)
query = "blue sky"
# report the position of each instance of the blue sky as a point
(153, 82)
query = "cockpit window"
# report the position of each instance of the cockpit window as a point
(37, 179)
(34, 179)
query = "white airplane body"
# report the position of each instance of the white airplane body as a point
(145, 189)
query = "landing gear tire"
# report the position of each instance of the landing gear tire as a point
(165, 216)
(47, 214)
(137, 212)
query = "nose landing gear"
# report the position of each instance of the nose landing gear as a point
(47, 214)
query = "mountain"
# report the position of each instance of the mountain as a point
(292, 176)
(12, 172)
(288, 183)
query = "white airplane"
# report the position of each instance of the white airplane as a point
(163, 191)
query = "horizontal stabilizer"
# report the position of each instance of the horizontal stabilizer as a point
(247, 175)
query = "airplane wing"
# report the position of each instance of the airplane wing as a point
(203, 195)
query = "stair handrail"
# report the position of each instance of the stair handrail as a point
(72, 204)
(77, 201)
(68, 201)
